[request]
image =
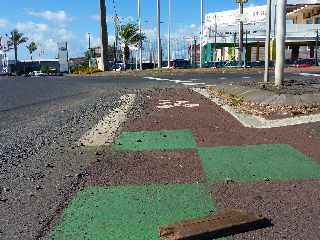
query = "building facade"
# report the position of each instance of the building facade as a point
(222, 33)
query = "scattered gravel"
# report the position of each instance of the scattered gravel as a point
(41, 162)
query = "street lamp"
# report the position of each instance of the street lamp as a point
(159, 32)
(169, 35)
(89, 48)
(139, 23)
(201, 34)
(267, 43)
(280, 42)
(240, 53)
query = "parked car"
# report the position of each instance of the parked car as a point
(38, 74)
(180, 63)
(303, 63)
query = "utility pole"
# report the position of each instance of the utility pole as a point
(201, 34)
(169, 35)
(89, 48)
(139, 23)
(317, 46)
(280, 42)
(195, 51)
(246, 50)
(240, 52)
(267, 43)
(89, 38)
(159, 34)
(104, 35)
(215, 37)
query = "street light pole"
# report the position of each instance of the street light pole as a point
(139, 23)
(89, 48)
(159, 34)
(89, 36)
(215, 37)
(267, 43)
(201, 34)
(317, 46)
(280, 42)
(240, 53)
(169, 35)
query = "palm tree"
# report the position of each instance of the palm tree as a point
(104, 35)
(130, 35)
(16, 38)
(32, 47)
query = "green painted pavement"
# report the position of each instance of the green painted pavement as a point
(257, 162)
(155, 140)
(130, 212)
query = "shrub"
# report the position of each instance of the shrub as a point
(44, 69)
(85, 70)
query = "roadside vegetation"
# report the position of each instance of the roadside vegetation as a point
(85, 70)
(264, 110)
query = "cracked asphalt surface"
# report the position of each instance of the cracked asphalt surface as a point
(41, 121)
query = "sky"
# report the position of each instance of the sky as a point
(49, 21)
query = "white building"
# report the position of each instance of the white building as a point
(221, 30)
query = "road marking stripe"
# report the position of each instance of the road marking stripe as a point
(104, 132)
(157, 79)
(309, 74)
(180, 81)
(193, 84)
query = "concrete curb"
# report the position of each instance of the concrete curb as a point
(104, 132)
(252, 121)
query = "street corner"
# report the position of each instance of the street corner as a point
(130, 212)
(121, 168)
(292, 206)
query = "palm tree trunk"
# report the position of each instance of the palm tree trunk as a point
(104, 35)
(16, 53)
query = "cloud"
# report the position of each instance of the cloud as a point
(3, 23)
(95, 40)
(45, 36)
(150, 32)
(58, 16)
(32, 27)
(186, 31)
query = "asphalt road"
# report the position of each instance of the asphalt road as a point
(41, 121)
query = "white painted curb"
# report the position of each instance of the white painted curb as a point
(104, 132)
(252, 121)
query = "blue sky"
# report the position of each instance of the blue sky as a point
(49, 21)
